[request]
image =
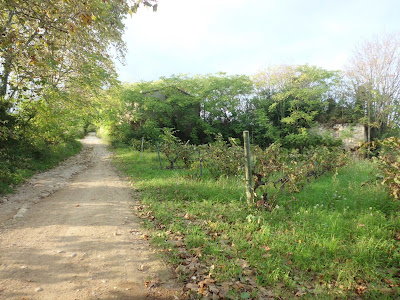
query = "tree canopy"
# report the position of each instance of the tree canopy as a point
(57, 52)
(374, 73)
(55, 59)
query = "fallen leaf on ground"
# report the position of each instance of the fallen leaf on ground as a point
(360, 289)
(207, 281)
(224, 290)
(266, 293)
(266, 248)
(300, 293)
(213, 289)
(192, 286)
(178, 243)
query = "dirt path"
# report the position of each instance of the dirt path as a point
(70, 233)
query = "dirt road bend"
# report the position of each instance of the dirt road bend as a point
(70, 233)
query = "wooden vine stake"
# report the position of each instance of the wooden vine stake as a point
(141, 149)
(249, 183)
(201, 165)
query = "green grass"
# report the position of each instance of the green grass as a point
(334, 239)
(23, 163)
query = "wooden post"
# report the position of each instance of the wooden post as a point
(141, 149)
(201, 166)
(159, 156)
(249, 183)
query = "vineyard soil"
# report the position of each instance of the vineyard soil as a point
(71, 234)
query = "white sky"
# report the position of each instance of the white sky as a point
(243, 36)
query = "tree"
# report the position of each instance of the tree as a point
(54, 61)
(169, 102)
(289, 98)
(57, 48)
(197, 107)
(374, 71)
(225, 102)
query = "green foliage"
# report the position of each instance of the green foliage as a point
(289, 100)
(38, 140)
(28, 156)
(389, 163)
(222, 158)
(91, 128)
(281, 108)
(150, 106)
(198, 107)
(225, 103)
(277, 170)
(171, 146)
(304, 139)
(54, 62)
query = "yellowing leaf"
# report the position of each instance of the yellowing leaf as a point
(266, 248)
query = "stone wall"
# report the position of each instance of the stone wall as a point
(352, 135)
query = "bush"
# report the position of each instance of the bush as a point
(276, 169)
(389, 163)
(224, 159)
(171, 146)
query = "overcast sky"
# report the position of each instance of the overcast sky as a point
(243, 36)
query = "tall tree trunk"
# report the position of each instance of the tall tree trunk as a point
(8, 59)
(4, 77)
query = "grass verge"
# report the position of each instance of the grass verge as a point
(21, 164)
(337, 238)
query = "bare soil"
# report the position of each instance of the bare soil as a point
(71, 233)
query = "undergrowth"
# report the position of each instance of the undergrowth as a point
(19, 163)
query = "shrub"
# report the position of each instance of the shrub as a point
(224, 159)
(276, 169)
(389, 163)
(171, 146)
